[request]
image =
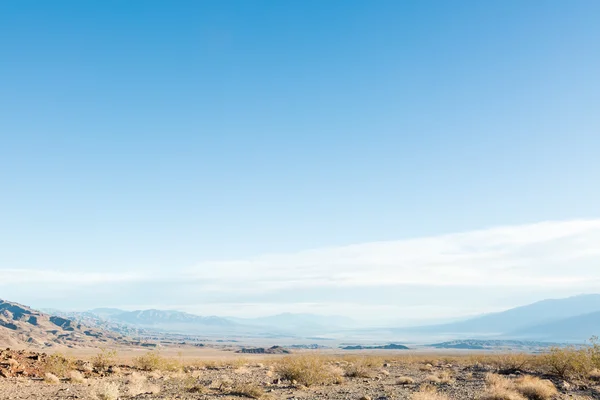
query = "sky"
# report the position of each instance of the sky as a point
(381, 159)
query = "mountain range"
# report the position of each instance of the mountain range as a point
(573, 319)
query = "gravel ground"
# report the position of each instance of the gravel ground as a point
(260, 380)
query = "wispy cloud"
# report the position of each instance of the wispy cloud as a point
(547, 257)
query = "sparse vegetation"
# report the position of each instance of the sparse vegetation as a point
(104, 359)
(249, 390)
(405, 380)
(153, 361)
(106, 391)
(535, 388)
(51, 378)
(307, 370)
(76, 377)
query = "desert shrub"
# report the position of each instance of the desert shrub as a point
(104, 359)
(510, 362)
(57, 364)
(249, 390)
(441, 377)
(535, 388)
(106, 391)
(567, 362)
(360, 368)
(428, 393)
(51, 378)
(405, 380)
(76, 377)
(136, 384)
(499, 388)
(153, 361)
(307, 370)
(594, 375)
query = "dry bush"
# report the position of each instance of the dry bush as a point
(426, 367)
(51, 378)
(106, 391)
(57, 364)
(249, 390)
(136, 384)
(405, 380)
(499, 388)
(510, 362)
(567, 362)
(307, 370)
(361, 368)
(440, 377)
(500, 394)
(594, 375)
(104, 359)
(153, 361)
(428, 393)
(535, 388)
(76, 377)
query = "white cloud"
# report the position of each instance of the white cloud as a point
(550, 254)
(498, 266)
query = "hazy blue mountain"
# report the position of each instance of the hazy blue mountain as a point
(579, 329)
(168, 317)
(299, 322)
(106, 312)
(517, 319)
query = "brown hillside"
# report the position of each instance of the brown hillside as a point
(22, 327)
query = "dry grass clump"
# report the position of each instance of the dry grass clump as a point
(567, 362)
(138, 384)
(499, 388)
(307, 370)
(594, 375)
(428, 393)
(106, 391)
(535, 388)
(361, 368)
(153, 361)
(526, 387)
(51, 378)
(426, 367)
(440, 377)
(104, 359)
(512, 361)
(405, 380)
(76, 377)
(250, 390)
(57, 364)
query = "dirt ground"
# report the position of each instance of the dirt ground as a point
(257, 376)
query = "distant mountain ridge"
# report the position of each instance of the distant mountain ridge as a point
(554, 319)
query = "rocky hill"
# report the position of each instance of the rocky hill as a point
(21, 326)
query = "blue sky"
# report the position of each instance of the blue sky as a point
(146, 138)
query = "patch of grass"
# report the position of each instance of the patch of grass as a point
(307, 370)
(535, 388)
(104, 359)
(51, 378)
(58, 364)
(249, 390)
(567, 362)
(428, 393)
(153, 361)
(405, 380)
(76, 377)
(361, 368)
(106, 391)
(441, 377)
